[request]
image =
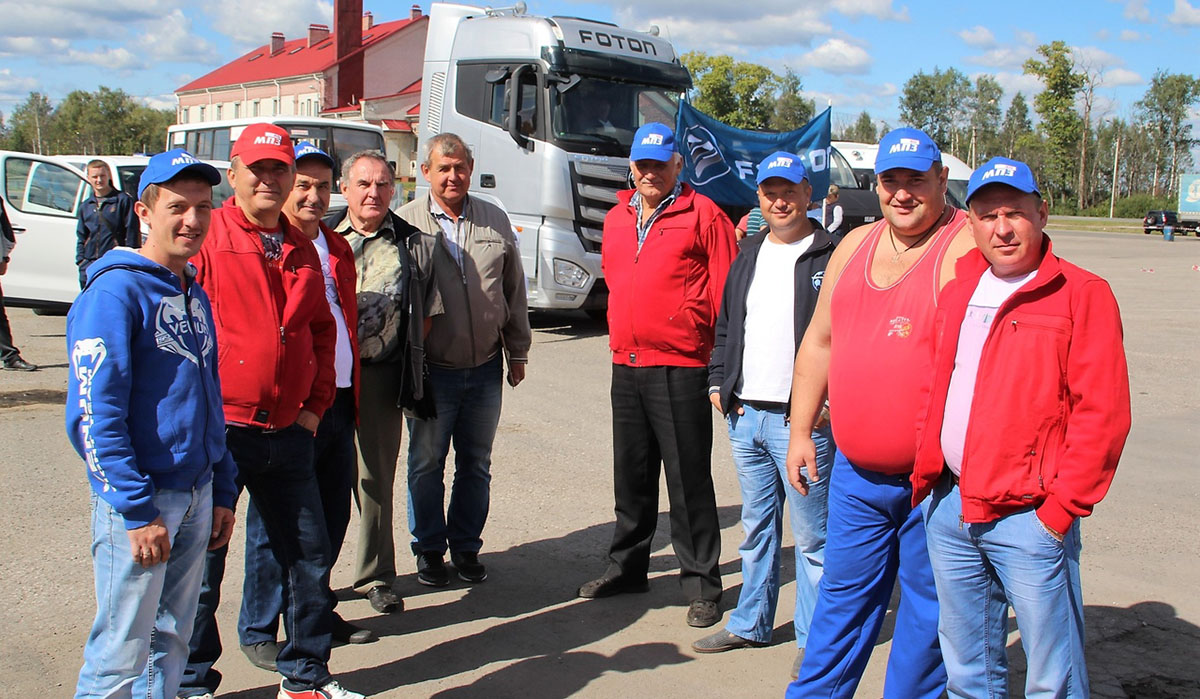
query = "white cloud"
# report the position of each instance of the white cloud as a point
(29, 46)
(849, 101)
(119, 58)
(979, 37)
(251, 24)
(1092, 57)
(173, 41)
(839, 57)
(1131, 35)
(1027, 85)
(1003, 57)
(724, 28)
(1117, 77)
(1137, 10)
(1185, 13)
(879, 9)
(73, 19)
(1103, 34)
(12, 84)
(160, 101)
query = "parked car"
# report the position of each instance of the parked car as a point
(1155, 220)
(42, 195)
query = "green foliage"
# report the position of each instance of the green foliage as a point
(1061, 124)
(746, 95)
(104, 122)
(862, 131)
(934, 103)
(1016, 125)
(984, 103)
(1164, 112)
(1135, 206)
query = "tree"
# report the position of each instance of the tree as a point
(984, 104)
(933, 103)
(733, 92)
(29, 124)
(1093, 77)
(1016, 124)
(862, 131)
(792, 111)
(1056, 106)
(1164, 111)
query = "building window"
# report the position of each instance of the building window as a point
(237, 110)
(274, 106)
(183, 115)
(202, 112)
(255, 108)
(218, 111)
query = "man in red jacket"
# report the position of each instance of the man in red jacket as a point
(277, 341)
(666, 253)
(1026, 421)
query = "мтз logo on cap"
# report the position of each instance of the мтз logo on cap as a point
(779, 162)
(906, 145)
(183, 160)
(271, 139)
(1000, 170)
(652, 139)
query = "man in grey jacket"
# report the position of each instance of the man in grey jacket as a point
(477, 268)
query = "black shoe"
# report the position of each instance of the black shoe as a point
(607, 587)
(431, 569)
(722, 641)
(262, 654)
(703, 613)
(18, 364)
(468, 565)
(384, 601)
(345, 632)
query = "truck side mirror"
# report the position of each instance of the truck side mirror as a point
(514, 106)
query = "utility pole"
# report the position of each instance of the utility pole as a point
(1112, 201)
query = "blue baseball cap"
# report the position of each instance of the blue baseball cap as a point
(782, 164)
(165, 167)
(1013, 173)
(911, 149)
(304, 149)
(654, 141)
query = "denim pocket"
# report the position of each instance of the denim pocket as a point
(1045, 531)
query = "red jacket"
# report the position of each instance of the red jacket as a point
(1051, 407)
(663, 301)
(275, 335)
(345, 275)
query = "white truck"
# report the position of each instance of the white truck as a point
(549, 106)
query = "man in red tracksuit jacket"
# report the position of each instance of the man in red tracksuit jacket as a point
(666, 252)
(276, 342)
(1026, 420)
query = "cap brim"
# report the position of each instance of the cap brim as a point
(659, 154)
(920, 163)
(985, 185)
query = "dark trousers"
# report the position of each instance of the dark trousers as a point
(336, 466)
(8, 351)
(661, 416)
(277, 469)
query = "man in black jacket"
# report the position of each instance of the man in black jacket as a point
(9, 354)
(769, 297)
(106, 220)
(397, 297)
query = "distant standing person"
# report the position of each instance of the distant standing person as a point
(144, 412)
(1026, 422)
(834, 223)
(9, 354)
(666, 253)
(106, 220)
(477, 268)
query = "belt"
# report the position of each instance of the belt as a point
(765, 405)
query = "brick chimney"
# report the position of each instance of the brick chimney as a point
(348, 23)
(276, 42)
(368, 21)
(415, 13)
(317, 33)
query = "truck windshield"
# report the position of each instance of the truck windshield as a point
(600, 116)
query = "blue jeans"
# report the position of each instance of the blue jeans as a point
(875, 536)
(138, 643)
(336, 466)
(760, 441)
(468, 412)
(983, 569)
(277, 469)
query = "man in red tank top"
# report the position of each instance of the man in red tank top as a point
(868, 348)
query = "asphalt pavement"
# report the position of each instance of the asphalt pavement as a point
(523, 633)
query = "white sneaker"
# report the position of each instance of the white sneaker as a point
(329, 690)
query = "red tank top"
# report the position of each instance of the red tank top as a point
(881, 361)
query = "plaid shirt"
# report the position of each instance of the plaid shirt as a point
(643, 227)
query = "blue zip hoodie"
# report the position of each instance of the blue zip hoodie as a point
(143, 396)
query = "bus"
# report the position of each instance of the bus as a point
(212, 140)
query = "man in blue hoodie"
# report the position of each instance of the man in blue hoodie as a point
(144, 411)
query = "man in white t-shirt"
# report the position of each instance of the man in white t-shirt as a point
(335, 458)
(1026, 420)
(769, 297)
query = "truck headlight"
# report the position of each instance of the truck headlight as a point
(569, 274)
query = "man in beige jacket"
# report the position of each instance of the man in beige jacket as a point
(478, 270)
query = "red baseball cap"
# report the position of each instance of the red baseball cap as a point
(261, 142)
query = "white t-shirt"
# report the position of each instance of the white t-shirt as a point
(343, 362)
(989, 295)
(769, 350)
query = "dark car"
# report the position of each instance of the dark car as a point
(1155, 220)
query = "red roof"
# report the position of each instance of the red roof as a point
(338, 110)
(414, 110)
(296, 58)
(396, 125)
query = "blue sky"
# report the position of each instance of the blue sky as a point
(857, 53)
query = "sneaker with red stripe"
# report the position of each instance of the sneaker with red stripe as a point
(329, 690)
